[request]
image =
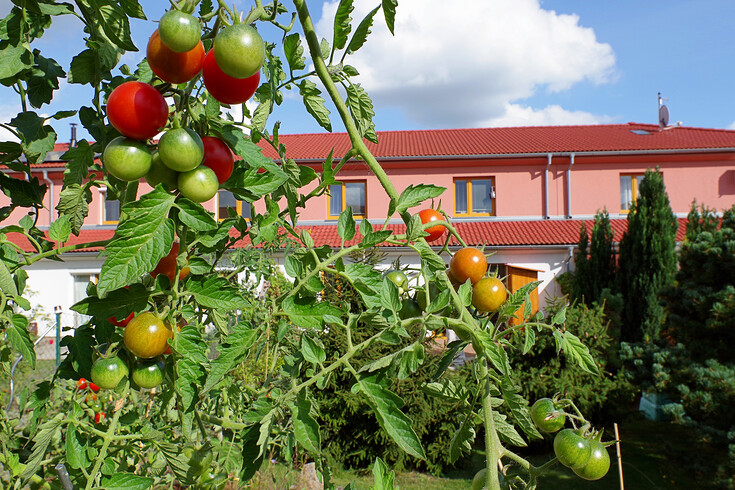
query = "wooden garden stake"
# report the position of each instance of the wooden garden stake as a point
(620, 457)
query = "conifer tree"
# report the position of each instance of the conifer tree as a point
(581, 281)
(647, 260)
(596, 272)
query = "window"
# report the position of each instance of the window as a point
(629, 184)
(81, 282)
(226, 200)
(474, 197)
(347, 194)
(110, 209)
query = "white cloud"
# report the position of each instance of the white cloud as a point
(470, 62)
(732, 125)
(518, 115)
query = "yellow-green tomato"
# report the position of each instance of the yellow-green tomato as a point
(199, 185)
(127, 159)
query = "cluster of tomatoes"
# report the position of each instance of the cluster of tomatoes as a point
(195, 165)
(585, 454)
(145, 337)
(488, 293)
(89, 390)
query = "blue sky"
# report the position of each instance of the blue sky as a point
(507, 63)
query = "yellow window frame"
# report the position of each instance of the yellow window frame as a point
(105, 221)
(343, 188)
(633, 189)
(470, 212)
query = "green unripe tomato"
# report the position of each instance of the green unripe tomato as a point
(148, 373)
(598, 464)
(572, 450)
(399, 279)
(409, 309)
(239, 51)
(547, 416)
(179, 31)
(181, 149)
(161, 174)
(107, 372)
(127, 159)
(199, 184)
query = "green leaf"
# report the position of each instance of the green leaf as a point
(445, 390)
(143, 237)
(465, 293)
(506, 431)
(60, 229)
(306, 429)
(389, 296)
(195, 216)
(19, 338)
(389, 10)
(7, 284)
(529, 340)
(386, 406)
(78, 160)
(576, 351)
(294, 52)
(462, 439)
(362, 32)
(493, 350)
(346, 225)
(44, 79)
(342, 24)
(431, 263)
(518, 407)
(315, 104)
(120, 305)
(85, 68)
(361, 109)
(306, 312)
(14, 59)
(190, 371)
(312, 349)
(375, 238)
(115, 23)
(217, 292)
(38, 138)
(74, 203)
(367, 281)
(384, 479)
(413, 196)
(231, 353)
(133, 9)
(41, 440)
(76, 448)
(127, 481)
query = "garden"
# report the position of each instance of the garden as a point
(203, 365)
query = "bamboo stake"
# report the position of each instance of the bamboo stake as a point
(620, 457)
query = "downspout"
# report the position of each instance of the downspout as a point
(569, 186)
(546, 186)
(50, 196)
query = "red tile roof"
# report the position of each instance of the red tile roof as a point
(512, 141)
(517, 233)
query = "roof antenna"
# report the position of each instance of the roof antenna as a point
(663, 113)
(73, 141)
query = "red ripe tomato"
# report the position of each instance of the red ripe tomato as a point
(435, 232)
(488, 294)
(171, 66)
(467, 263)
(218, 157)
(223, 87)
(137, 110)
(99, 417)
(167, 265)
(81, 384)
(121, 323)
(93, 387)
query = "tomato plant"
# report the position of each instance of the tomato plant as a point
(137, 110)
(107, 372)
(239, 51)
(547, 415)
(171, 66)
(179, 31)
(181, 149)
(148, 373)
(224, 88)
(409, 309)
(121, 323)
(598, 464)
(571, 448)
(147, 336)
(488, 294)
(468, 263)
(127, 159)
(218, 157)
(167, 265)
(199, 185)
(435, 232)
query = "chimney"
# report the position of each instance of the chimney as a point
(73, 141)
